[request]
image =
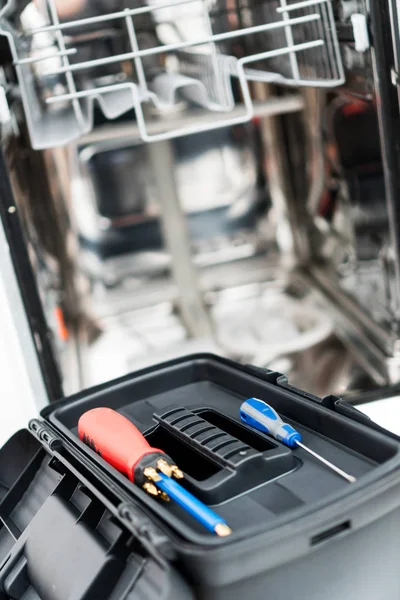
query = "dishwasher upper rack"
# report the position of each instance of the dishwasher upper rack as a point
(59, 89)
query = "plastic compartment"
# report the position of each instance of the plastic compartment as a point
(215, 388)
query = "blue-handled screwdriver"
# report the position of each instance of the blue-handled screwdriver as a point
(262, 416)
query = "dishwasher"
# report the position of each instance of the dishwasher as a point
(181, 179)
(203, 166)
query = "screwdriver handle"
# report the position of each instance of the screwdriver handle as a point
(262, 416)
(115, 439)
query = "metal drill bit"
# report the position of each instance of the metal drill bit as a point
(169, 470)
(151, 474)
(163, 496)
(164, 467)
(151, 489)
(176, 472)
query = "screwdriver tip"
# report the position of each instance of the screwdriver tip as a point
(222, 530)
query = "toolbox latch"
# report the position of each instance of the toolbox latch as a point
(334, 403)
(282, 381)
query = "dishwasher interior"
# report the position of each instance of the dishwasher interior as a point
(204, 176)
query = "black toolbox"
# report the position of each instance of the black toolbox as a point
(73, 528)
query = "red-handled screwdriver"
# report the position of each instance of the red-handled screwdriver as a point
(122, 445)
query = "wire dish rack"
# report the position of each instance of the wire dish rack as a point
(161, 56)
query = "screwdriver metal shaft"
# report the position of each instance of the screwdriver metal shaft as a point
(340, 472)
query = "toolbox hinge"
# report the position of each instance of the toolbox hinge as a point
(45, 434)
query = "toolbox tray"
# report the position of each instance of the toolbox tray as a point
(296, 524)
